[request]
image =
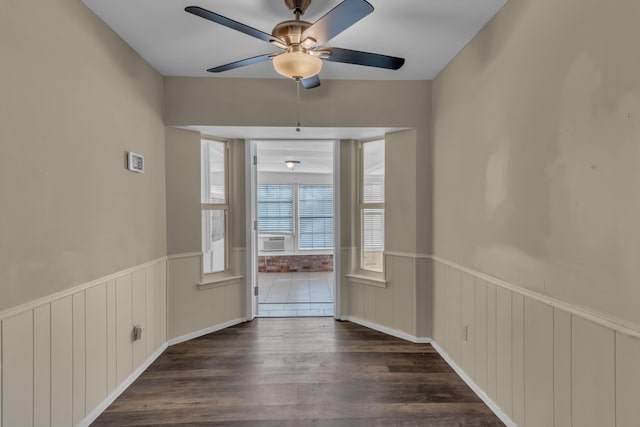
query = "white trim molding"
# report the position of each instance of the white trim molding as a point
(476, 389)
(407, 255)
(70, 291)
(388, 331)
(217, 282)
(205, 331)
(98, 410)
(366, 280)
(184, 255)
(609, 322)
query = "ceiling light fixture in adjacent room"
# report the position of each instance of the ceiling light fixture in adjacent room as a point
(292, 164)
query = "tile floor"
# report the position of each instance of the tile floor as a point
(295, 294)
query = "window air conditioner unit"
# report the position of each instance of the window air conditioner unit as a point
(274, 244)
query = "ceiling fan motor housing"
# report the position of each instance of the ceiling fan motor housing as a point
(298, 6)
(290, 31)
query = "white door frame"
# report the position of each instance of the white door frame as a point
(337, 241)
(251, 185)
(251, 180)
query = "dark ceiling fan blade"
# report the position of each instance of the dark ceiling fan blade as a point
(230, 23)
(337, 20)
(311, 82)
(241, 63)
(363, 58)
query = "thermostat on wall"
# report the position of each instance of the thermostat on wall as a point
(136, 162)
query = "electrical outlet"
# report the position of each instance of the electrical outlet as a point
(137, 332)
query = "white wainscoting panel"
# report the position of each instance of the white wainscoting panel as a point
(492, 341)
(517, 359)
(592, 374)
(397, 306)
(62, 361)
(538, 363)
(561, 367)
(112, 381)
(480, 338)
(193, 309)
(543, 365)
(79, 358)
(96, 345)
(1, 383)
(124, 328)
(504, 344)
(42, 365)
(468, 325)
(17, 370)
(63, 356)
(139, 314)
(627, 381)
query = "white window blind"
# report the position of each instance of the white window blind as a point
(373, 230)
(315, 216)
(275, 208)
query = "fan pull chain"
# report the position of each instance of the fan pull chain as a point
(298, 103)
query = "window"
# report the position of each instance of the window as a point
(214, 205)
(372, 206)
(275, 208)
(301, 210)
(315, 216)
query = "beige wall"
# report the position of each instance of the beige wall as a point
(237, 196)
(182, 150)
(75, 98)
(400, 305)
(194, 310)
(535, 129)
(195, 307)
(535, 206)
(272, 102)
(255, 102)
(82, 240)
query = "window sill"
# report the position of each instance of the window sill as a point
(367, 280)
(217, 282)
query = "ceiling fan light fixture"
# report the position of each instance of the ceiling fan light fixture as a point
(297, 65)
(292, 164)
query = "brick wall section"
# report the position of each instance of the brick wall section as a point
(294, 263)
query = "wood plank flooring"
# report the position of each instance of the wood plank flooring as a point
(298, 372)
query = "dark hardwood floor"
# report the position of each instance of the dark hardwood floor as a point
(298, 372)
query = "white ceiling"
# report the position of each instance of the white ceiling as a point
(314, 156)
(428, 33)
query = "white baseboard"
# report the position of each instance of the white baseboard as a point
(205, 331)
(461, 373)
(388, 331)
(121, 388)
(476, 389)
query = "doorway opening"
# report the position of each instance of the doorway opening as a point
(294, 228)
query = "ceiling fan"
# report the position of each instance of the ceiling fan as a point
(302, 42)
